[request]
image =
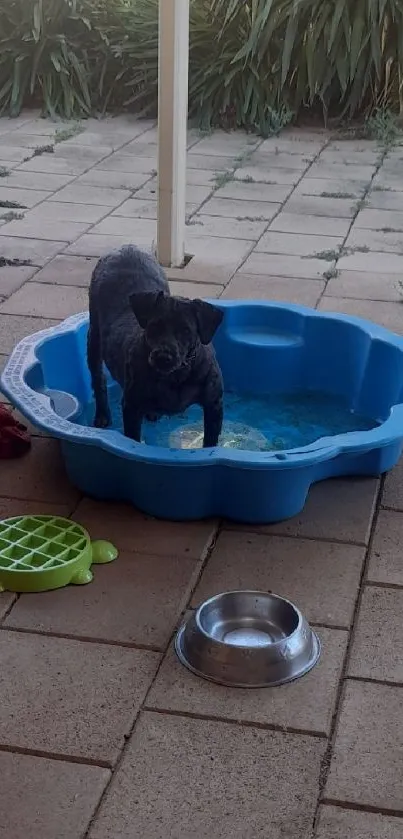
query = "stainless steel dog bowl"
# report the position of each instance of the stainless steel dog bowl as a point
(247, 639)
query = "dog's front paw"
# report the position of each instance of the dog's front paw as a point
(102, 420)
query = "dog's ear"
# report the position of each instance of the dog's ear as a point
(208, 319)
(145, 304)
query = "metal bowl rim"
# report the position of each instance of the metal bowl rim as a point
(196, 616)
(186, 663)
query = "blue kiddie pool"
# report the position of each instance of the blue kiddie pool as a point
(308, 396)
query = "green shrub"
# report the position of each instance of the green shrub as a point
(257, 62)
(344, 56)
(252, 62)
(54, 52)
(222, 87)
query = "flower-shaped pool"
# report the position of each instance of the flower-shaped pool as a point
(308, 396)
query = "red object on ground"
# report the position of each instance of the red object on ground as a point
(15, 440)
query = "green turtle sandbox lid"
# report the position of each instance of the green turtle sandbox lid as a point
(38, 553)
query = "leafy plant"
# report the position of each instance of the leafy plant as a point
(252, 63)
(256, 63)
(345, 55)
(382, 125)
(52, 51)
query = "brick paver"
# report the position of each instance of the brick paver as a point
(39, 477)
(385, 559)
(262, 287)
(377, 651)
(58, 302)
(151, 592)
(321, 577)
(182, 777)
(306, 705)
(389, 315)
(339, 509)
(337, 823)
(68, 697)
(48, 798)
(358, 285)
(88, 674)
(367, 762)
(132, 531)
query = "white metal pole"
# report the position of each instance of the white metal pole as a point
(172, 130)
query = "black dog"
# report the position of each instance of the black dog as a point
(156, 346)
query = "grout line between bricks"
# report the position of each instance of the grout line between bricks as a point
(64, 758)
(10, 607)
(137, 645)
(112, 209)
(361, 808)
(333, 626)
(24, 124)
(389, 683)
(281, 729)
(82, 639)
(359, 204)
(251, 530)
(71, 183)
(376, 584)
(279, 210)
(326, 762)
(238, 164)
(205, 557)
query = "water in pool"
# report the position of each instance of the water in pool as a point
(269, 423)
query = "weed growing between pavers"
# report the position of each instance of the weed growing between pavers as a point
(13, 263)
(12, 205)
(251, 218)
(337, 195)
(360, 205)
(12, 216)
(383, 126)
(327, 256)
(222, 178)
(62, 134)
(338, 252)
(331, 273)
(47, 149)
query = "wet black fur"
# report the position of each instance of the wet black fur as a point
(156, 346)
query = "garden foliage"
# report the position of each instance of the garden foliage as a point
(252, 62)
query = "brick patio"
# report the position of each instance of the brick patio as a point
(102, 733)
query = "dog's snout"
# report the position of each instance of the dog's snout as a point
(163, 359)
